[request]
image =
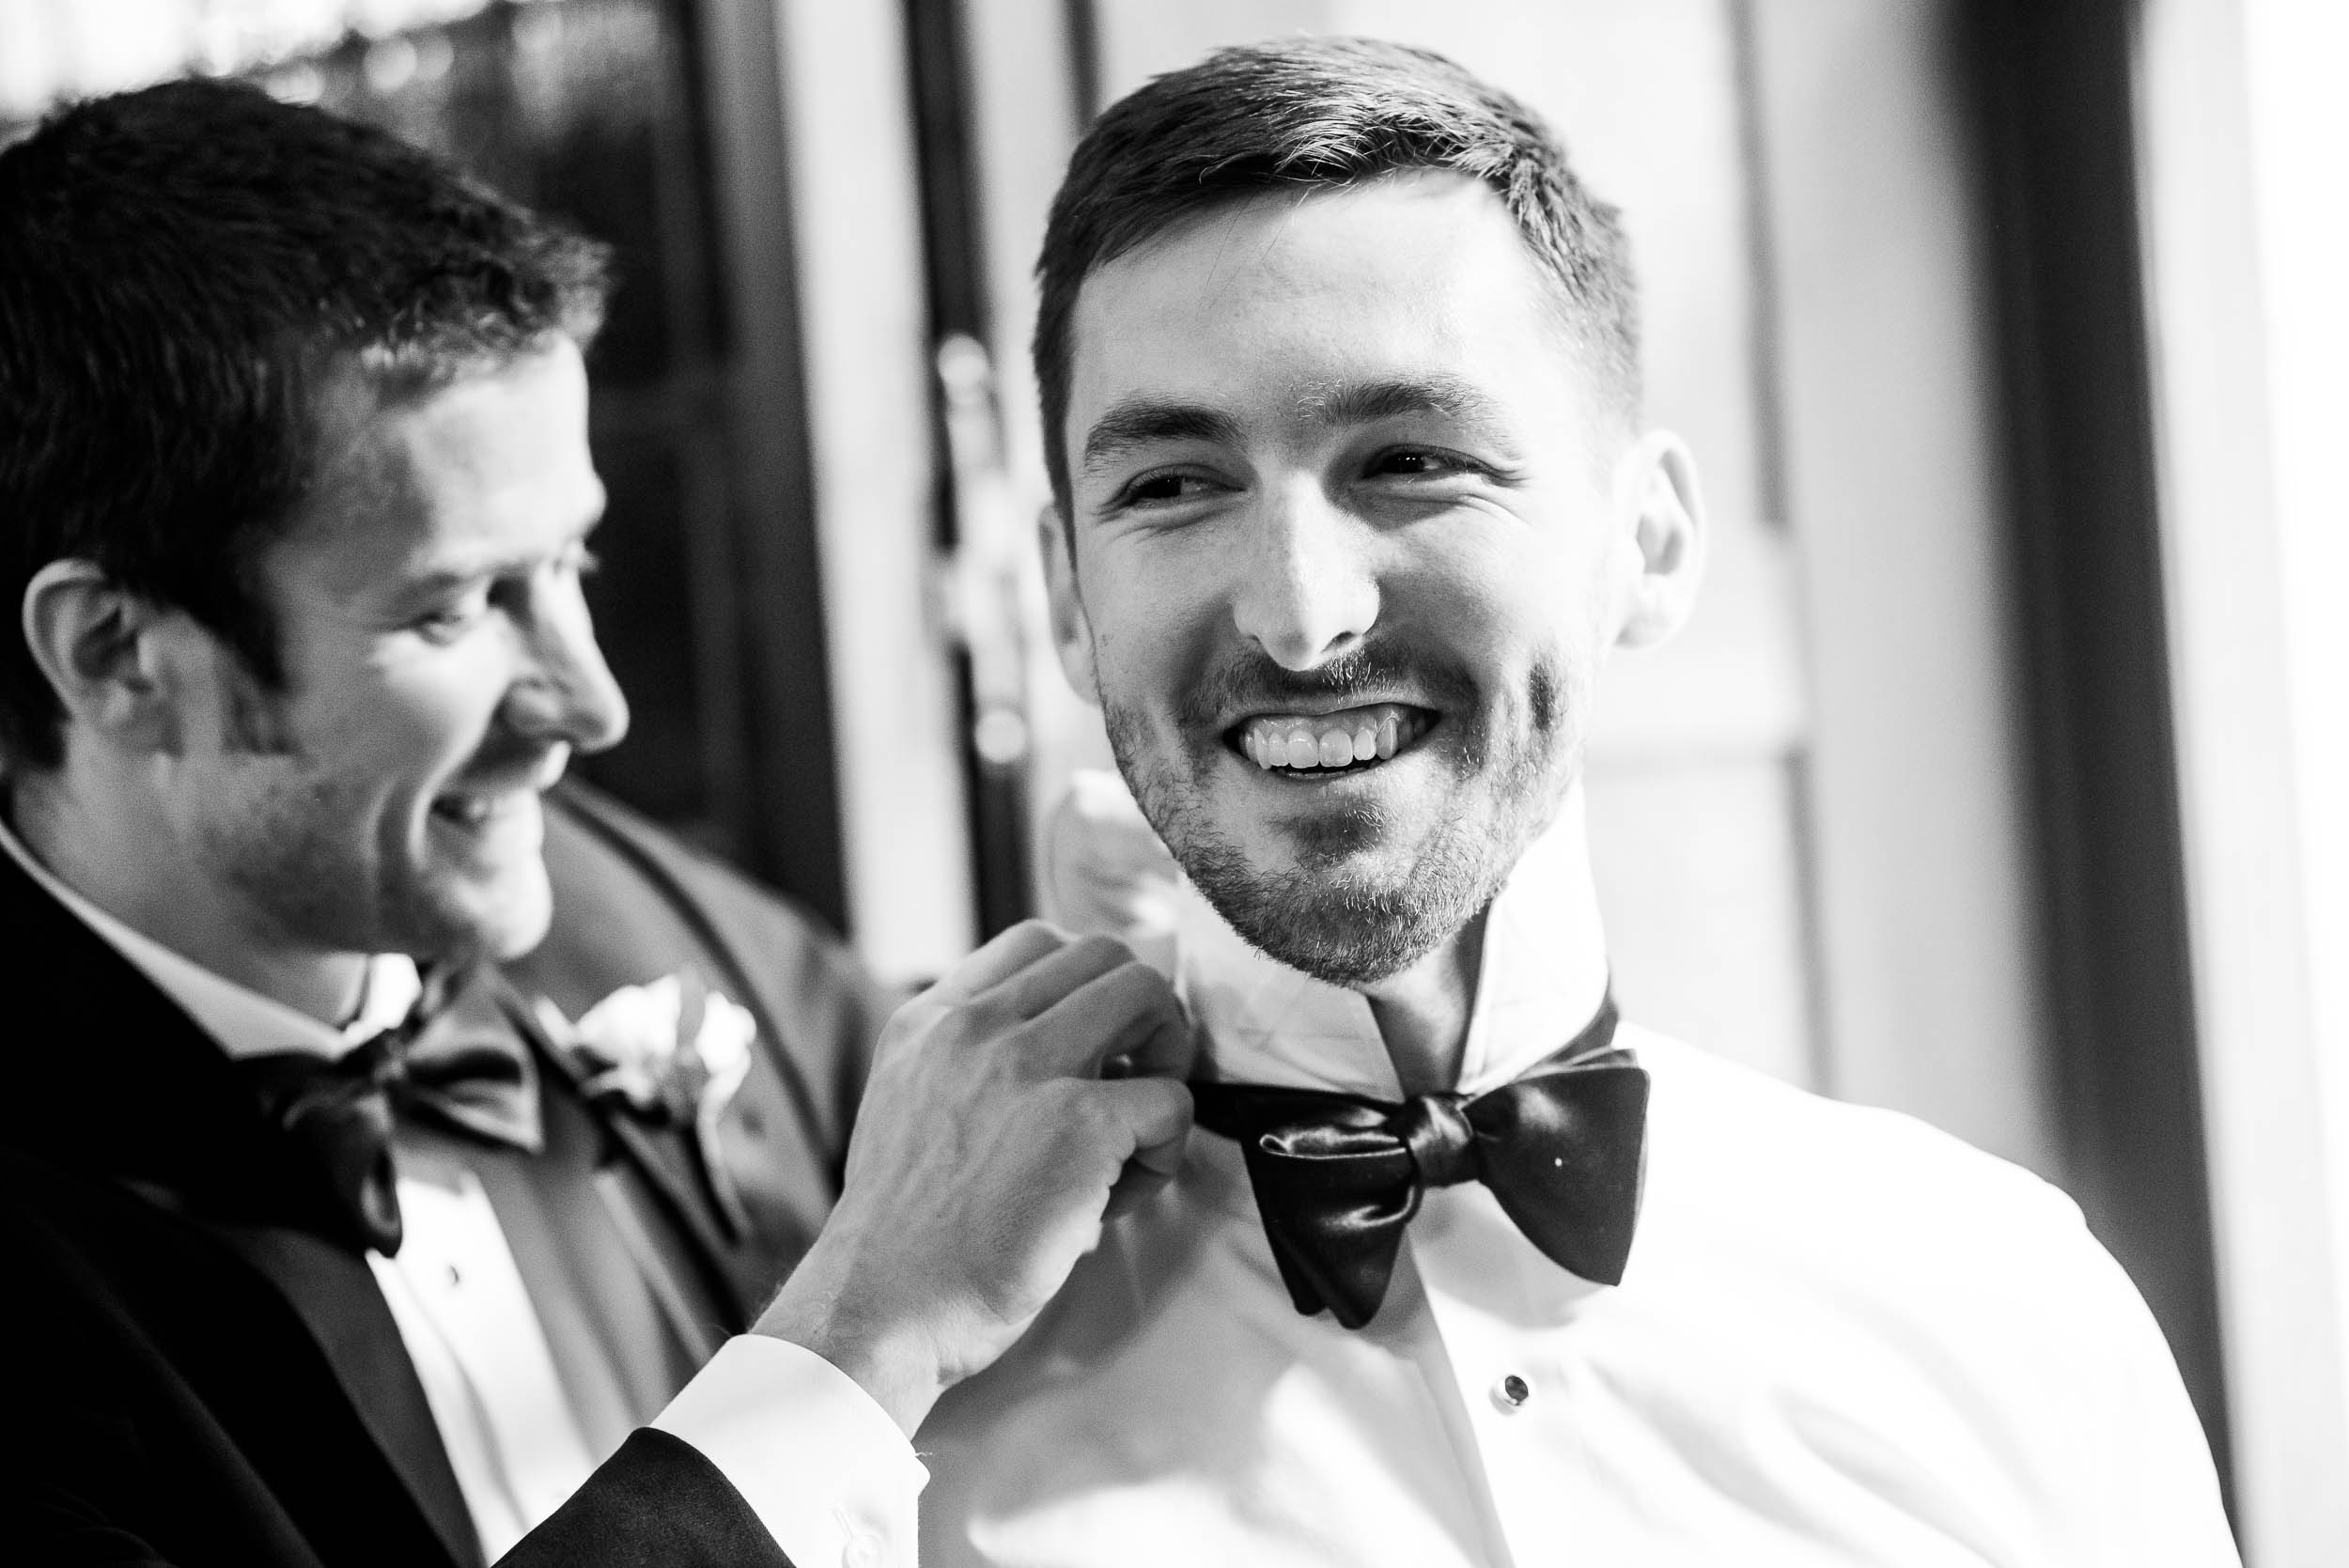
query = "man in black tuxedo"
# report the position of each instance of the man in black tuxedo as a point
(329, 1240)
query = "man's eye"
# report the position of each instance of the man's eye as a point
(445, 623)
(1161, 488)
(1417, 463)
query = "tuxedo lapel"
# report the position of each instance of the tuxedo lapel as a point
(640, 906)
(663, 1156)
(335, 1295)
(589, 825)
(141, 1111)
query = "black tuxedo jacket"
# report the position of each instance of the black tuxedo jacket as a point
(193, 1374)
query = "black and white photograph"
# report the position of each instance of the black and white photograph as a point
(1117, 783)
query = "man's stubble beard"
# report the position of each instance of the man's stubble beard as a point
(278, 845)
(1346, 929)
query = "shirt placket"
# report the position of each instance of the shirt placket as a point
(1502, 1310)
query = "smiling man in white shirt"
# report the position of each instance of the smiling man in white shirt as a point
(1353, 505)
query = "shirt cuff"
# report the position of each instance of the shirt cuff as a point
(822, 1465)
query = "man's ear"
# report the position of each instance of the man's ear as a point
(1657, 485)
(110, 654)
(1072, 635)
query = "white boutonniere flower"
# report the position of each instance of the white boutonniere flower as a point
(674, 1053)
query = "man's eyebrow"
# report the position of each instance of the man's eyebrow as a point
(1367, 402)
(1140, 422)
(456, 571)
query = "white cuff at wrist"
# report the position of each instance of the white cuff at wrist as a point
(818, 1461)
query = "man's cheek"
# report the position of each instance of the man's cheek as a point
(427, 718)
(1135, 674)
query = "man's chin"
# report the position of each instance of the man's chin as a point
(1351, 878)
(494, 919)
(1352, 889)
(1337, 925)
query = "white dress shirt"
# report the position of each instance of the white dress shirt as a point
(824, 1465)
(1843, 1338)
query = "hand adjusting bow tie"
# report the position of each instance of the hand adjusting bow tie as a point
(457, 1060)
(1338, 1176)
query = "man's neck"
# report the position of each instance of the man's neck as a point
(130, 865)
(1423, 1011)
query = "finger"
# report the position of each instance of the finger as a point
(1155, 1114)
(1011, 951)
(1119, 1010)
(1153, 1043)
(1043, 983)
(1148, 1122)
(1167, 1045)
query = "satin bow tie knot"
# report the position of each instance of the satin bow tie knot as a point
(1338, 1177)
(1441, 1138)
(457, 1060)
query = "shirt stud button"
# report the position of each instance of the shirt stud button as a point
(1512, 1392)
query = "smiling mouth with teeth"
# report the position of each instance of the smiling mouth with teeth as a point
(470, 811)
(1329, 742)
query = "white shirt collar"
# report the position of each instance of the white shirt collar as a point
(1543, 973)
(240, 1020)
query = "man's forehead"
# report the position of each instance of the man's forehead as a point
(1416, 194)
(1352, 303)
(1364, 236)
(499, 451)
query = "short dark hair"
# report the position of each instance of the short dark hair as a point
(1323, 112)
(182, 269)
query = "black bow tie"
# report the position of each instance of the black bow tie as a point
(1338, 1176)
(457, 1060)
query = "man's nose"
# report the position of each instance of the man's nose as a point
(566, 692)
(1308, 591)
